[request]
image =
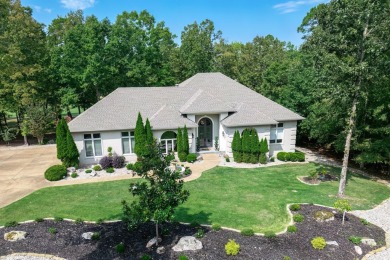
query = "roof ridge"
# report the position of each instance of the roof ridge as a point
(191, 100)
(158, 111)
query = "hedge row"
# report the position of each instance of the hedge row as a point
(291, 156)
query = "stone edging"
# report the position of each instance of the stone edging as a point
(51, 257)
(298, 178)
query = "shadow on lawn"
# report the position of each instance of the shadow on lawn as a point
(182, 215)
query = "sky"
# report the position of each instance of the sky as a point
(239, 20)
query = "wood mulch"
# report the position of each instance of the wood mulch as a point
(69, 244)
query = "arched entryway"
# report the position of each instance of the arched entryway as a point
(205, 132)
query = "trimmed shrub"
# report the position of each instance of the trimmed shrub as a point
(191, 157)
(293, 156)
(263, 158)
(216, 227)
(272, 159)
(186, 145)
(295, 207)
(97, 168)
(55, 173)
(110, 170)
(355, 240)
(286, 257)
(269, 234)
(106, 162)
(292, 229)
(300, 156)
(318, 243)
(183, 257)
(283, 156)
(227, 159)
(120, 248)
(139, 137)
(74, 175)
(187, 171)
(232, 248)
(137, 167)
(298, 218)
(130, 166)
(88, 171)
(247, 232)
(118, 161)
(199, 233)
(182, 156)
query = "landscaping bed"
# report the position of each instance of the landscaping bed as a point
(69, 244)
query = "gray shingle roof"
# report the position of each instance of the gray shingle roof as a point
(204, 93)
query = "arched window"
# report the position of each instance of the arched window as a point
(168, 142)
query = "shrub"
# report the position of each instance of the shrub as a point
(292, 229)
(106, 162)
(109, 150)
(137, 167)
(74, 175)
(146, 257)
(120, 248)
(118, 161)
(58, 219)
(11, 224)
(182, 156)
(300, 156)
(313, 175)
(187, 171)
(282, 156)
(318, 243)
(293, 157)
(295, 207)
(97, 168)
(191, 157)
(183, 257)
(88, 171)
(39, 220)
(298, 218)
(272, 159)
(199, 233)
(110, 170)
(170, 157)
(364, 221)
(286, 257)
(247, 232)
(232, 248)
(79, 221)
(95, 236)
(55, 173)
(269, 234)
(227, 159)
(355, 240)
(52, 230)
(216, 227)
(130, 166)
(263, 158)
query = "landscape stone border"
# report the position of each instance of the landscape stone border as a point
(45, 256)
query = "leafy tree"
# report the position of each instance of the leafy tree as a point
(139, 137)
(72, 153)
(349, 41)
(39, 121)
(186, 146)
(149, 133)
(61, 139)
(158, 197)
(343, 206)
(9, 134)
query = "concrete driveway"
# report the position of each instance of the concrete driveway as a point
(22, 169)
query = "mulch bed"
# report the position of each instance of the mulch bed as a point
(67, 243)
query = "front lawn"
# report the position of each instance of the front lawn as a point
(237, 198)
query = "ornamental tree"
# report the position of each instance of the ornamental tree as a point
(61, 139)
(254, 146)
(186, 145)
(158, 196)
(139, 137)
(343, 206)
(148, 131)
(72, 153)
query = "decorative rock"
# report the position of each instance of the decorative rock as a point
(71, 169)
(332, 243)
(87, 235)
(358, 250)
(187, 243)
(160, 250)
(93, 174)
(369, 242)
(199, 158)
(152, 242)
(15, 236)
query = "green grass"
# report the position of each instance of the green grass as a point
(237, 198)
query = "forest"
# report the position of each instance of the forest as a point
(338, 79)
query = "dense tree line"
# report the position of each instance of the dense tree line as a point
(338, 79)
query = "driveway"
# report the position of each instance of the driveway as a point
(21, 170)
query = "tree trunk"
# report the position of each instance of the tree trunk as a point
(1, 126)
(156, 233)
(343, 217)
(25, 140)
(351, 125)
(79, 110)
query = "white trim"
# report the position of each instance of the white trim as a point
(92, 139)
(131, 138)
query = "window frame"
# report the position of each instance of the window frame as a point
(173, 140)
(131, 139)
(279, 129)
(92, 138)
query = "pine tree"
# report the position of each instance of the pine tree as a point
(72, 154)
(264, 146)
(140, 137)
(186, 145)
(61, 139)
(149, 133)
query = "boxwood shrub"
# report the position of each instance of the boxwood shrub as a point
(247, 232)
(55, 173)
(191, 157)
(291, 157)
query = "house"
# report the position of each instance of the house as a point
(211, 105)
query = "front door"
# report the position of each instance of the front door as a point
(205, 132)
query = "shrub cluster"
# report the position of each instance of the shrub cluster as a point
(291, 156)
(248, 148)
(191, 157)
(232, 248)
(318, 243)
(247, 232)
(55, 173)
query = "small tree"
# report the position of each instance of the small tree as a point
(61, 133)
(158, 196)
(39, 121)
(24, 132)
(139, 137)
(343, 206)
(9, 134)
(72, 153)
(216, 143)
(186, 145)
(149, 133)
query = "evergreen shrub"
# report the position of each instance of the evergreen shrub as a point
(55, 173)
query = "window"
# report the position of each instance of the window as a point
(128, 142)
(93, 145)
(276, 134)
(168, 142)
